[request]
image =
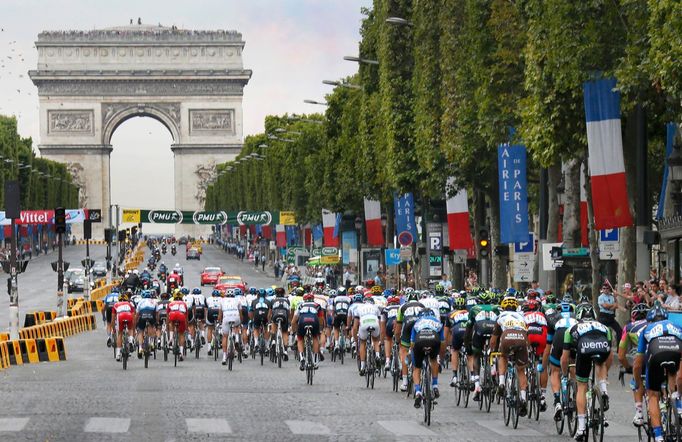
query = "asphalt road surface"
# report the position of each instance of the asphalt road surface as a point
(90, 398)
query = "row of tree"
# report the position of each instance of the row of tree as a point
(451, 84)
(44, 184)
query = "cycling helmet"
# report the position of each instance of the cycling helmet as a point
(230, 293)
(460, 302)
(639, 312)
(566, 307)
(341, 291)
(269, 292)
(584, 312)
(387, 293)
(531, 294)
(165, 296)
(567, 298)
(279, 291)
(115, 290)
(184, 291)
(253, 291)
(656, 313)
(146, 294)
(426, 312)
(177, 296)
(550, 297)
(332, 293)
(439, 289)
(412, 296)
(408, 290)
(300, 291)
(261, 292)
(357, 297)
(359, 289)
(238, 292)
(485, 298)
(215, 292)
(393, 300)
(510, 292)
(308, 297)
(196, 291)
(509, 303)
(531, 305)
(123, 297)
(424, 294)
(368, 300)
(351, 290)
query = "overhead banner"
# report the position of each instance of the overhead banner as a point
(201, 217)
(511, 162)
(131, 216)
(28, 217)
(406, 228)
(287, 218)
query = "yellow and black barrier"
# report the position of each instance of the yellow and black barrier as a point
(4, 354)
(60, 327)
(37, 318)
(82, 242)
(32, 351)
(4, 337)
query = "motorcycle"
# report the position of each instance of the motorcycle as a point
(173, 250)
(162, 276)
(163, 249)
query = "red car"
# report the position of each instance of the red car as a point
(210, 275)
(230, 282)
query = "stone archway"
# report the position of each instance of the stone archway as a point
(90, 82)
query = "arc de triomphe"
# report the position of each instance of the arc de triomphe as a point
(89, 82)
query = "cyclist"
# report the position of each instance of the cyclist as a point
(368, 314)
(458, 321)
(340, 308)
(309, 313)
(230, 317)
(407, 316)
(660, 343)
(321, 299)
(627, 352)
(161, 316)
(590, 340)
(200, 312)
(191, 314)
(480, 326)
(563, 319)
(213, 306)
(511, 336)
(145, 315)
(351, 323)
(427, 332)
(123, 311)
(537, 338)
(260, 311)
(281, 311)
(177, 312)
(109, 301)
(444, 309)
(388, 318)
(244, 315)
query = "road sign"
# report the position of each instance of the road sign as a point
(527, 246)
(459, 256)
(608, 235)
(405, 238)
(405, 253)
(609, 246)
(523, 266)
(548, 263)
(577, 251)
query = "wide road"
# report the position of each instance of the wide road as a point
(38, 285)
(90, 398)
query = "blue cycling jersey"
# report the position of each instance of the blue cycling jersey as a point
(656, 330)
(428, 323)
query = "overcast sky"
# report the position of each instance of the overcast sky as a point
(291, 46)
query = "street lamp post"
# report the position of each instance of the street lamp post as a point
(358, 229)
(320, 103)
(360, 60)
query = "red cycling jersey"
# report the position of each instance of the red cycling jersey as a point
(537, 331)
(177, 312)
(124, 311)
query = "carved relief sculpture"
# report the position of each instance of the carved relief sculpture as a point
(78, 176)
(206, 173)
(70, 121)
(205, 120)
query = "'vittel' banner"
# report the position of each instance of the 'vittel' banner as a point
(43, 217)
(511, 162)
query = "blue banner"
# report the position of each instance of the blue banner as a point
(511, 163)
(671, 128)
(292, 235)
(349, 241)
(392, 257)
(405, 226)
(318, 233)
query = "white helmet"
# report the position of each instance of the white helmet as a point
(136, 272)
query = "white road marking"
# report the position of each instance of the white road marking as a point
(13, 423)
(406, 428)
(210, 426)
(107, 425)
(307, 427)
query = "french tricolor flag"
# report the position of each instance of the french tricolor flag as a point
(373, 222)
(457, 206)
(280, 236)
(328, 227)
(605, 146)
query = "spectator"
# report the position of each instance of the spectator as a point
(262, 262)
(347, 278)
(672, 300)
(627, 294)
(607, 309)
(447, 285)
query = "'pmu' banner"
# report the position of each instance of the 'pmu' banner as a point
(242, 218)
(511, 163)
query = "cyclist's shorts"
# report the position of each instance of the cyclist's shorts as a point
(308, 320)
(661, 350)
(457, 341)
(145, 319)
(478, 341)
(245, 316)
(406, 333)
(190, 316)
(180, 318)
(283, 317)
(260, 317)
(212, 316)
(537, 337)
(425, 339)
(445, 320)
(557, 347)
(200, 314)
(108, 313)
(515, 341)
(339, 320)
(390, 325)
(124, 316)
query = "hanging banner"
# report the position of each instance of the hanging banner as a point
(253, 218)
(671, 129)
(511, 162)
(43, 217)
(406, 228)
(161, 216)
(93, 215)
(204, 217)
(392, 257)
(349, 244)
(287, 218)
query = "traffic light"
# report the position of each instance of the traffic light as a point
(87, 229)
(108, 234)
(60, 220)
(483, 243)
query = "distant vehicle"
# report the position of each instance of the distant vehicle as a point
(230, 282)
(193, 254)
(210, 275)
(182, 240)
(99, 269)
(76, 281)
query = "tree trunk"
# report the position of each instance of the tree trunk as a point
(554, 178)
(479, 223)
(499, 263)
(594, 245)
(571, 222)
(627, 262)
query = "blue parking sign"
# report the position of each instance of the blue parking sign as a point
(608, 235)
(526, 246)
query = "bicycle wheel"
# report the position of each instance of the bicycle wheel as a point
(506, 406)
(596, 417)
(230, 352)
(261, 347)
(280, 351)
(197, 343)
(516, 404)
(570, 411)
(426, 390)
(342, 348)
(176, 348)
(560, 423)
(490, 391)
(164, 343)
(215, 347)
(537, 398)
(482, 383)
(146, 352)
